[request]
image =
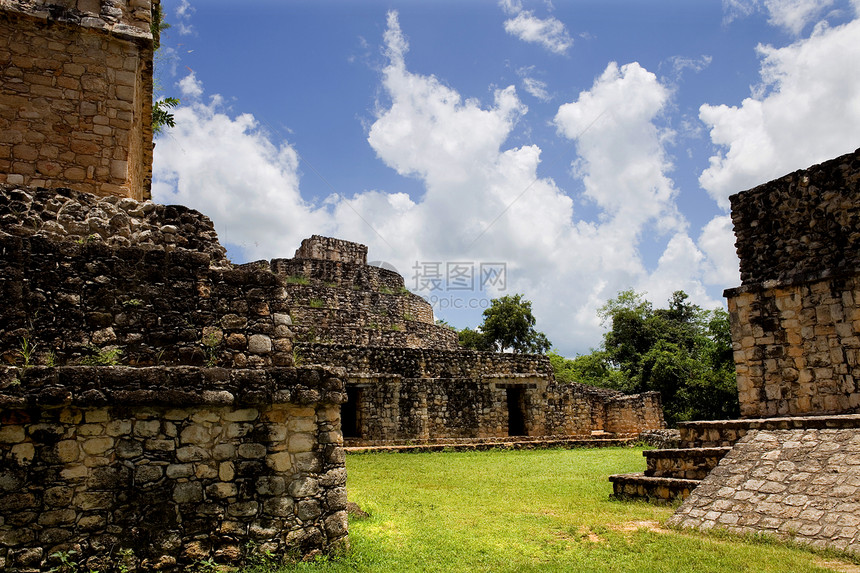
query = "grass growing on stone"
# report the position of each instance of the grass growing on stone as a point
(527, 511)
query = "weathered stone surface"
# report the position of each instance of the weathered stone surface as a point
(795, 318)
(64, 121)
(144, 470)
(772, 482)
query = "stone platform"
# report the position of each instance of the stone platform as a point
(796, 484)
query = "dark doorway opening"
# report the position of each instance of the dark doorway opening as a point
(516, 412)
(350, 421)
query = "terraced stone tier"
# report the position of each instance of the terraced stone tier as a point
(639, 486)
(719, 433)
(416, 335)
(480, 444)
(683, 463)
(340, 273)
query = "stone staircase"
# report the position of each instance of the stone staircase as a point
(674, 472)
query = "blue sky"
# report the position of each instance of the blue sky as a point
(580, 147)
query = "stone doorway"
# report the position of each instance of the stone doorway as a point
(350, 413)
(516, 411)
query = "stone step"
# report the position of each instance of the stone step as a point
(683, 463)
(463, 445)
(718, 433)
(640, 486)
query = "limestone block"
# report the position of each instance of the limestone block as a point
(259, 344)
(188, 492)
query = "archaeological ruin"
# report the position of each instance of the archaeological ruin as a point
(791, 467)
(161, 406)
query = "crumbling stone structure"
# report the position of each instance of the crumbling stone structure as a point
(150, 405)
(795, 334)
(149, 380)
(409, 381)
(160, 406)
(794, 319)
(76, 94)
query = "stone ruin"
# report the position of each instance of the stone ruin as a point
(161, 400)
(150, 403)
(76, 94)
(408, 381)
(791, 467)
(160, 406)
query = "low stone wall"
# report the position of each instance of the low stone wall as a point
(634, 413)
(801, 485)
(165, 467)
(76, 302)
(76, 95)
(388, 408)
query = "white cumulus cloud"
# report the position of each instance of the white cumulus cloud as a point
(228, 168)
(806, 110)
(483, 199)
(190, 86)
(550, 32)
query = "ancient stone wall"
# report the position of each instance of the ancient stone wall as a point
(76, 95)
(400, 394)
(83, 278)
(330, 249)
(805, 225)
(629, 414)
(66, 302)
(796, 318)
(161, 468)
(424, 362)
(338, 273)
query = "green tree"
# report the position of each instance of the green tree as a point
(508, 326)
(473, 339)
(681, 351)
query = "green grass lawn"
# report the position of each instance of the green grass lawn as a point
(545, 510)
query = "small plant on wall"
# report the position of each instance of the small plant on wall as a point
(109, 356)
(211, 341)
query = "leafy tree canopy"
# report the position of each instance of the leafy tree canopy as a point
(681, 351)
(509, 325)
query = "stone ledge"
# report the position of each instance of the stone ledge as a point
(640, 486)
(521, 443)
(686, 452)
(70, 16)
(160, 385)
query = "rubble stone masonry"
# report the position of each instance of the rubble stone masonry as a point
(796, 318)
(76, 95)
(162, 468)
